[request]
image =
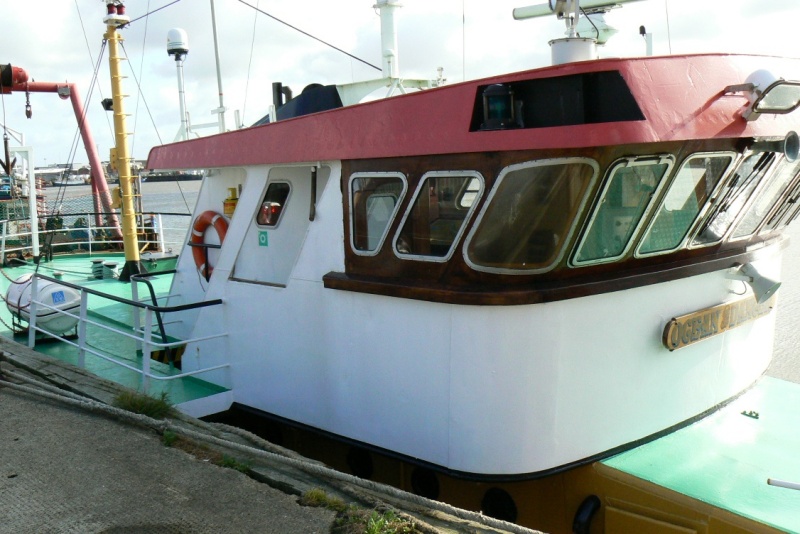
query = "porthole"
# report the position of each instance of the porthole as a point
(360, 462)
(499, 504)
(424, 483)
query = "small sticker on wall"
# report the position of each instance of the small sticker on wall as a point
(263, 239)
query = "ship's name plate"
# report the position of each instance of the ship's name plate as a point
(697, 326)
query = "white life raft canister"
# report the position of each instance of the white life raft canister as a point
(18, 302)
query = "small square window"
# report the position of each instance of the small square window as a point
(269, 213)
(374, 201)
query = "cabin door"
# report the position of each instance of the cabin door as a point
(278, 228)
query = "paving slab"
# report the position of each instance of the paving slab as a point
(63, 469)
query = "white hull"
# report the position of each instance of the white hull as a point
(479, 389)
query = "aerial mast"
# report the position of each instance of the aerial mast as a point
(115, 18)
(574, 47)
(178, 47)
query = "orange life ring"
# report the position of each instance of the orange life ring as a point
(201, 224)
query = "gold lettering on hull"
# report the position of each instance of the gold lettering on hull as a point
(697, 326)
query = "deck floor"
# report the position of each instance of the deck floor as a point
(726, 459)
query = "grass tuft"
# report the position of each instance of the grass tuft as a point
(168, 438)
(155, 407)
(233, 463)
(355, 520)
(318, 498)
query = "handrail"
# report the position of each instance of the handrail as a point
(121, 300)
(142, 277)
(146, 338)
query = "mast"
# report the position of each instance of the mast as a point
(121, 154)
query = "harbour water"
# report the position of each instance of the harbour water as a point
(180, 197)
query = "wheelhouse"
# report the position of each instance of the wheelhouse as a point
(531, 223)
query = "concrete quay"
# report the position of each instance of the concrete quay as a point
(72, 463)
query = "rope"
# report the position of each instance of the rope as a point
(311, 468)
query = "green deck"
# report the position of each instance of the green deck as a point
(77, 270)
(725, 459)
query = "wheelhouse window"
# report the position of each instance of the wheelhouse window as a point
(436, 217)
(766, 199)
(691, 188)
(789, 205)
(626, 198)
(530, 215)
(374, 201)
(269, 213)
(733, 197)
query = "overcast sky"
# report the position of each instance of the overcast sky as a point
(58, 40)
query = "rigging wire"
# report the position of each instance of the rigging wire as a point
(309, 35)
(152, 120)
(463, 40)
(144, 100)
(141, 70)
(55, 210)
(669, 34)
(250, 64)
(91, 59)
(61, 193)
(5, 127)
(150, 12)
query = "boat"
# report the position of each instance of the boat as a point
(548, 296)
(168, 176)
(71, 179)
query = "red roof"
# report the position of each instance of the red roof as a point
(681, 97)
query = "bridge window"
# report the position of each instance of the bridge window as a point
(435, 220)
(732, 198)
(690, 190)
(374, 200)
(269, 214)
(767, 199)
(789, 206)
(627, 197)
(530, 215)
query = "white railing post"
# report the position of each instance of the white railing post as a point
(82, 330)
(160, 233)
(146, 348)
(3, 246)
(137, 323)
(89, 233)
(32, 311)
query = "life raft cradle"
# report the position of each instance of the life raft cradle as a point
(197, 241)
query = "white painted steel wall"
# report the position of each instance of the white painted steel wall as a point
(481, 389)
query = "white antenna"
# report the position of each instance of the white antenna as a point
(648, 40)
(391, 63)
(573, 48)
(178, 46)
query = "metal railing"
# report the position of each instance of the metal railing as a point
(141, 333)
(15, 235)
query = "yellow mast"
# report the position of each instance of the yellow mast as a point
(116, 17)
